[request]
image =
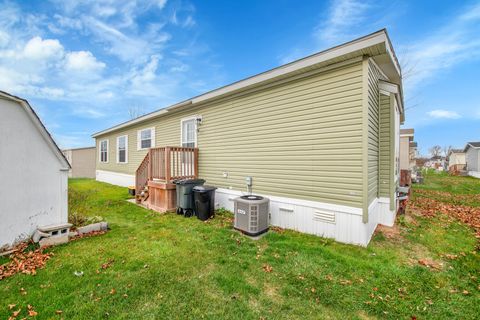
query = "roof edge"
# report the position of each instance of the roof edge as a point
(43, 130)
(371, 39)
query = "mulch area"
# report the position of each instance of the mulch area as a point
(425, 203)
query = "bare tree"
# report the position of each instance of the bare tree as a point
(135, 112)
(446, 150)
(435, 151)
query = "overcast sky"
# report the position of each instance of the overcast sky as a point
(84, 64)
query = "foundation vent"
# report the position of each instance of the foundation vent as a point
(324, 216)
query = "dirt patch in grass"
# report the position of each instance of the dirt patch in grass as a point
(389, 232)
(420, 255)
(271, 291)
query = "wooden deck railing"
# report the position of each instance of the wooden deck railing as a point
(167, 163)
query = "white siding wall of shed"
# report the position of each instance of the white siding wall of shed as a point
(473, 159)
(33, 189)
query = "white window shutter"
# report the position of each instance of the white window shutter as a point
(126, 149)
(153, 137)
(139, 141)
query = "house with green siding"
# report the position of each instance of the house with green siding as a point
(319, 136)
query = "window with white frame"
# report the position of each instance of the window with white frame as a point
(104, 151)
(189, 133)
(146, 138)
(122, 149)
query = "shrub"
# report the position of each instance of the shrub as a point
(78, 209)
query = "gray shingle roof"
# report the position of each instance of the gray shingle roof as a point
(474, 144)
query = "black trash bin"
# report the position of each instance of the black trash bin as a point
(204, 199)
(185, 204)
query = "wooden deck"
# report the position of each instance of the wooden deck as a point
(156, 173)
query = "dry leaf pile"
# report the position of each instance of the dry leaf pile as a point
(24, 261)
(430, 207)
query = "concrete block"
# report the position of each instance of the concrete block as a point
(100, 226)
(53, 241)
(39, 235)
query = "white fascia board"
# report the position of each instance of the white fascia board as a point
(385, 86)
(346, 48)
(131, 122)
(323, 56)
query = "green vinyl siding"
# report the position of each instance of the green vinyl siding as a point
(300, 139)
(386, 146)
(374, 74)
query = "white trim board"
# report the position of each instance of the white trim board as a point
(342, 223)
(475, 174)
(357, 45)
(300, 202)
(116, 178)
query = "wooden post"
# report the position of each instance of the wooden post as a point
(167, 165)
(195, 162)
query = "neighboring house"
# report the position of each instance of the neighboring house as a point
(82, 161)
(413, 149)
(456, 160)
(472, 157)
(33, 173)
(436, 162)
(319, 136)
(408, 149)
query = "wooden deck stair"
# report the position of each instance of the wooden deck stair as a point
(157, 171)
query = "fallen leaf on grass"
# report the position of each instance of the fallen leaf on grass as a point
(465, 292)
(58, 312)
(450, 256)
(11, 306)
(430, 264)
(16, 313)
(345, 282)
(32, 313)
(267, 268)
(113, 291)
(313, 290)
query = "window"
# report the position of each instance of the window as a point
(104, 151)
(122, 149)
(146, 138)
(189, 133)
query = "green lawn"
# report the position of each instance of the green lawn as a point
(170, 267)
